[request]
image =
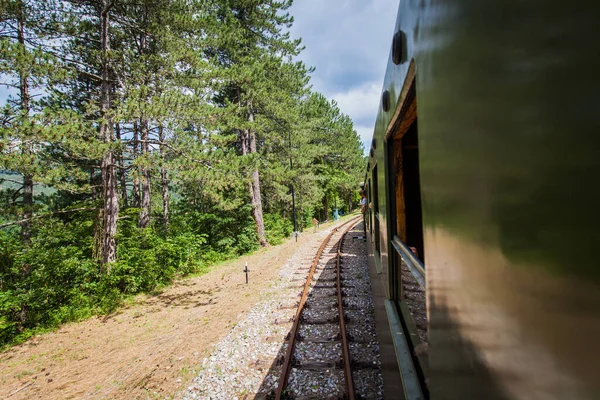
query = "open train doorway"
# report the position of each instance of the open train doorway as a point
(406, 231)
(403, 148)
(413, 227)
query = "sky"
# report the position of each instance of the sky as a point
(348, 43)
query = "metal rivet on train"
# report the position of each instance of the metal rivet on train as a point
(397, 47)
(385, 101)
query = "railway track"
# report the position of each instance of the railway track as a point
(415, 298)
(327, 349)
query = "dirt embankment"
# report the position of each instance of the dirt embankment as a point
(150, 349)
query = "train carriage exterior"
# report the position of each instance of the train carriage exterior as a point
(485, 160)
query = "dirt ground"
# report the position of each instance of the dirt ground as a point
(149, 350)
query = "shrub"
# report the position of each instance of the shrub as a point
(54, 279)
(277, 228)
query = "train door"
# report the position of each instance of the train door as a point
(376, 223)
(405, 230)
(405, 193)
(412, 191)
(370, 210)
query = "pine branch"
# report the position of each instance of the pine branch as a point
(46, 215)
(178, 151)
(11, 180)
(73, 63)
(16, 193)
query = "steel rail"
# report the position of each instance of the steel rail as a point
(345, 348)
(414, 264)
(287, 363)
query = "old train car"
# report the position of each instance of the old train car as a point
(485, 159)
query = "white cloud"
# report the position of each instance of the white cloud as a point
(360, 102)
(366, 135)
(348, 42)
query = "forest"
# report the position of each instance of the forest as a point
(145, 140)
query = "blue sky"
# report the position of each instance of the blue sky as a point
(348, 43)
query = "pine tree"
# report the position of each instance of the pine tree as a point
(87, 31)
(27, 138)
(252, 54)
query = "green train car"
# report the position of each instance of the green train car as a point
(485, 160)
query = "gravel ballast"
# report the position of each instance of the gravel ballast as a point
(245, 364)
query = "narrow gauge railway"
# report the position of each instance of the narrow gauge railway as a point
(332, 350)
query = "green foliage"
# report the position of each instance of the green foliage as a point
(277, 228)
(228, 233)
(147, 260)
(54, 279)
(202, 95)
(48, 282)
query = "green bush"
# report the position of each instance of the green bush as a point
(277, 229)
(227, 233)
(54, 279)
(306, 217)
(47, 282)
(146, 260)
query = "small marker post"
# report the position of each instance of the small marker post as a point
(246, 270)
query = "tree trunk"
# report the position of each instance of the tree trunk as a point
(164, 178)
(325, 208)
(110, 211)
(145, 211)
(144, 221)
(300, 211)
(27, 178)
(93, 184)
(27, 207)
(257, 213)
(249, 147)
(136, 181)
(121, 172)
(349, 202)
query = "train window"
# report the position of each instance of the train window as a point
(375, 205)
(403, 152)
(405, 196)
(408, 282)
(369, 210)
(412, 191)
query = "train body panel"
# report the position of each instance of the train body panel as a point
(506, 156)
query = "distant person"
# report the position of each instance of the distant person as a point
(315, 223)
(363, 202)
